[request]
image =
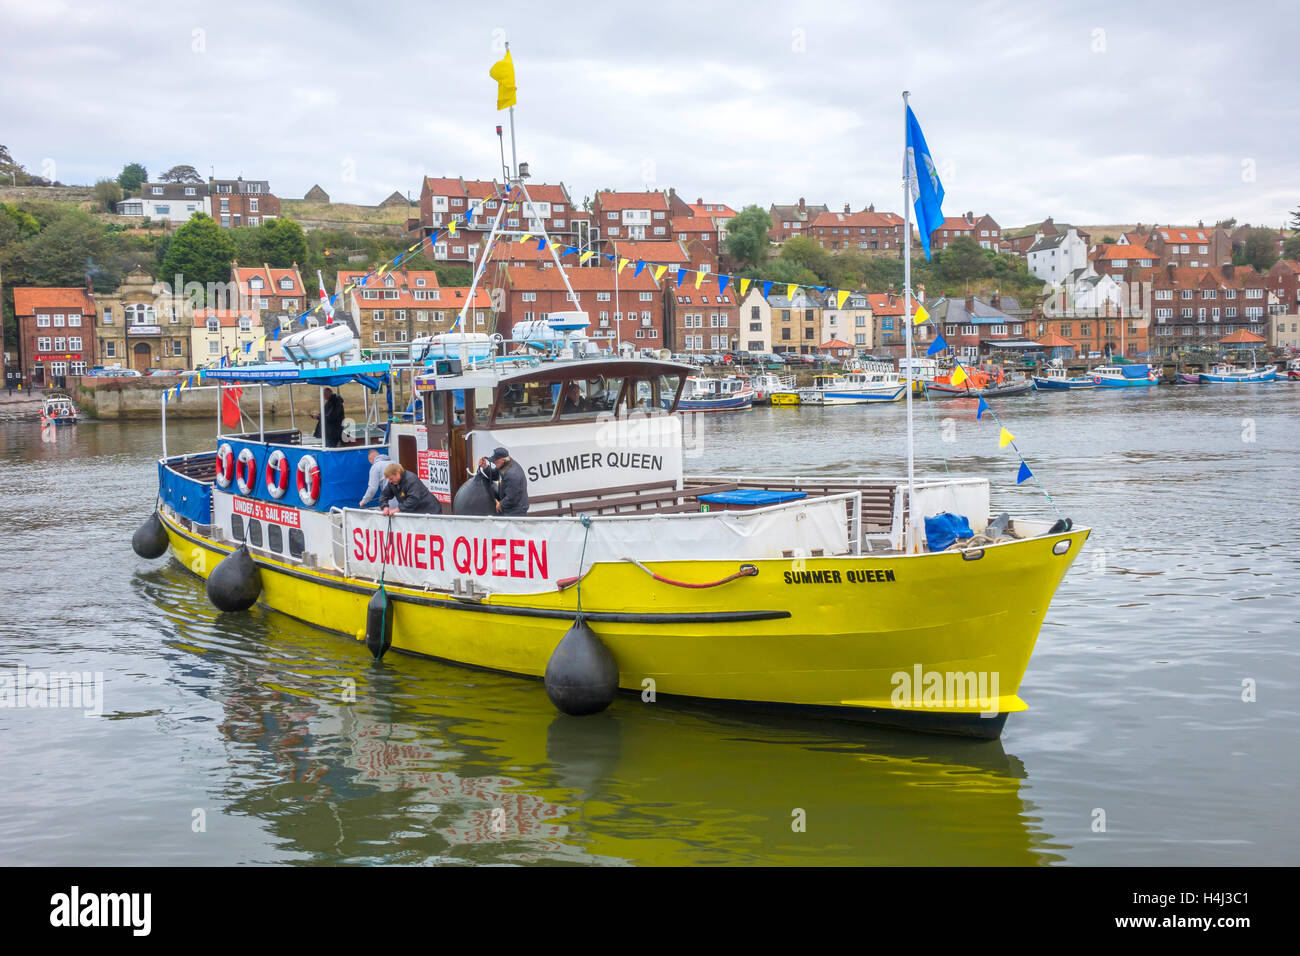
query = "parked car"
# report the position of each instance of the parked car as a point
(114, 371)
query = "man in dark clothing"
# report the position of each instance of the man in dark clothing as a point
(333, 419)
(412, 496)
(512, 485)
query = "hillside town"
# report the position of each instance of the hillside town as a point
(1149, 291)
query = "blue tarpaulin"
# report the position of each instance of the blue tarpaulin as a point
(942, 530)
(186, 496)
(754, 497)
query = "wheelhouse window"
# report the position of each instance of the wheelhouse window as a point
(526, 403)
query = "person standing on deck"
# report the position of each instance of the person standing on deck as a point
(512, 485)
(378, 462)
(412, 496)
(333, 419)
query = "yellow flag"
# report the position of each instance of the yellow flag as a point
(699, 277)
(621, 264)
(525, 237)
(416, 246)
(840, 298)
(958, 375)
(921, 315)
(789, 292)
(659, 272)
(744, 287)
(585, 256)
(451, 228)
(347, 288)
(1005, 439)
(382, 269)
(503, 71)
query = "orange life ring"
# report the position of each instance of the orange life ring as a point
(225, 465)
(277, 474)
(246, 471)
(308, 480)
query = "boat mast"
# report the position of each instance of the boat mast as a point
(907, 324)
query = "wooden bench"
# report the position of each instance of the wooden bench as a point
(877, 512)
(659, 501)
(558, 503)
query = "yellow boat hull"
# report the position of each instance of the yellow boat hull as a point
(850, 637)
(785, 398)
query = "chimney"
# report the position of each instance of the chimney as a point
(1228, 270)
(970, 305)
(920, 291)
(802, 207)
(997, 300)
(700, 201)
(1169, 271)
(871, 208)
(846, 209)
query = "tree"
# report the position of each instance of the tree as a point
(1107, 240)
(805, 253)
(1291, 248)
(199, 251)
(11, 171)
(132, 177)
(963, 260)
(1260, 249)
(747, 237)
(108, 192)
(181, 174)
(283, 244)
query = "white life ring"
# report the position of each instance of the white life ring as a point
(225, 465)
(308, 480)
(246, 471)
(277, 474)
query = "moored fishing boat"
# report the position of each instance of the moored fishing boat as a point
(978, 383)
(924, 371)
(1057, 379)
(1293, 369)
(1187, 378)
(729, 393)
(871, 382)
(765, 384)
(1134, 375)
(1226, 373)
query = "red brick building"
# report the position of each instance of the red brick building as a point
(1115, 260)
(699, 236)
(56, 329)
(983, 230)
(1183, 247)
(868, 231)
(622, 308)
(1195, 307)
(792, 220)
(1284, 282)
(242, 202)
(641, 216)
(703, 319)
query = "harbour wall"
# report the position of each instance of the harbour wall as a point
(141, 398)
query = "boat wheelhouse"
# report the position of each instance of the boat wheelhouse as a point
(767, 383)
(1056, 378)
(58, 409)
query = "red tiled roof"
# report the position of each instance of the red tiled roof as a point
(884, 303)
(454, 297)
(1117, 251)
(688, 294)
(480, 189)
(718, 210)
(227, 318)
(1051, 340)
(864, 219)
(403, 284)
(616, 202)
(272, 279)
(442, 186)
(694, 224)
(28, 299)
(835, 344)
(957, 222)
(1183, 235)
(667, 252)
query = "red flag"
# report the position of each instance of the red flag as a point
(230, 416)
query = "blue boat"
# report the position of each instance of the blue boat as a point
(1125, 376)
(714, 395)
(1227, 374)
(1058, 380)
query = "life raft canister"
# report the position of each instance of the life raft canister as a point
(277, 474)
(308, 480)
(246, 471)
(225, 465)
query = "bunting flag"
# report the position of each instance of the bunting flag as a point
(451, 228)
(609, 256)
(840, 298)
(622, 264)
(1024, 474)
(790, 290)
(981, 409)
(397, 260)
(585, 256)
(541, 243)
(569, 250)
(416, 246)
(958, 375)
(659, 272)
(1005, 438)
(699, 277)
(744, 287)
(767, 287)
(525, 237)
(639, 266)
(681, 274)
(938, 345)
(722, 283)
(921, 315)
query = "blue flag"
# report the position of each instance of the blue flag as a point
(681, 274)
(639, 266)
(1024, 473)
(923, 179)
(983, 407)
(938, 345)
(767, 287)
(722, 283)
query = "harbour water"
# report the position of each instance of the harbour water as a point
(1164, 695)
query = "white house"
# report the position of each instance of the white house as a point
(850, 324)
(1053, 258)
(173, 202)
(755, 333)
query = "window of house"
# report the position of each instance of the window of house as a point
(378, 335)
(110, 349)
(42, 344)
(42, 321)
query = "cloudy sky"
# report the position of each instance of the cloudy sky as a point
(1095, 113)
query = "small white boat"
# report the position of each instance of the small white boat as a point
(319, 344)
(58, 409)
(872, 382)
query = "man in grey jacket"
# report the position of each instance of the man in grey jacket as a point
(378, 462)
(512, 484)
